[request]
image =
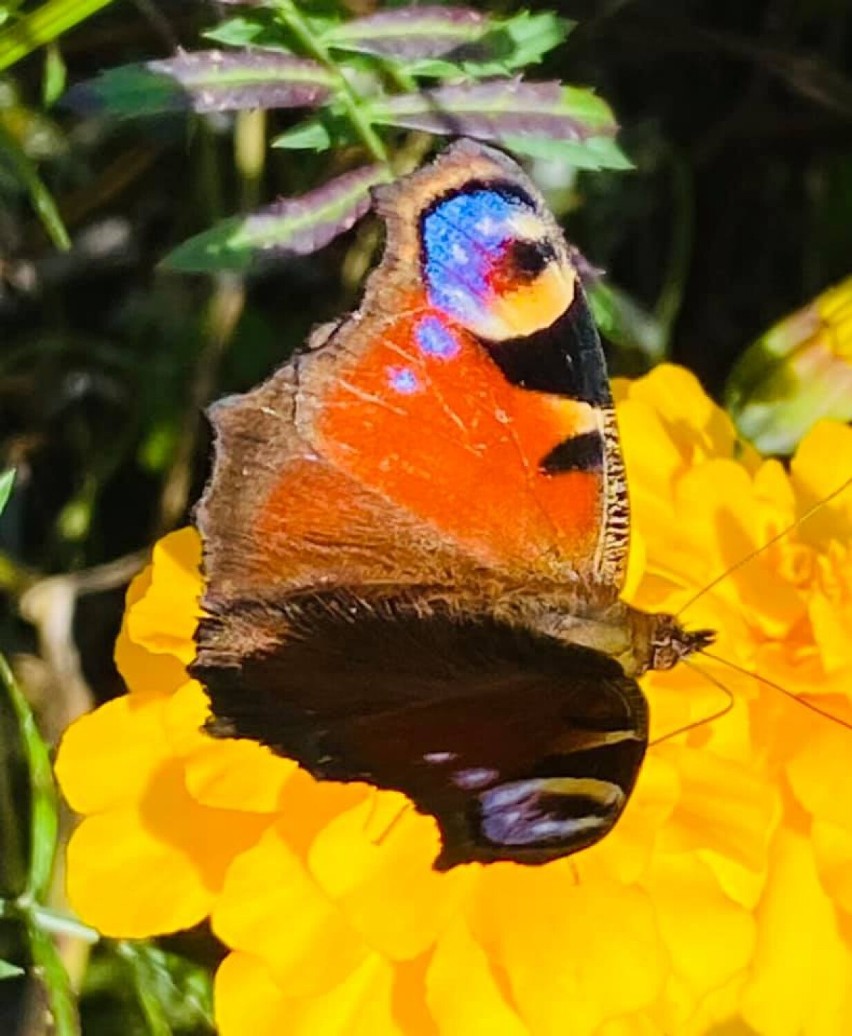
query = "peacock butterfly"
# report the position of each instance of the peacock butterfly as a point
(416, 531)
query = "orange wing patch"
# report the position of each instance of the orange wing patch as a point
(426, 418)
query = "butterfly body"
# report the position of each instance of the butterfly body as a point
(416, 532)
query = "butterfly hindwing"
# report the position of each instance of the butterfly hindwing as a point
(520, 747)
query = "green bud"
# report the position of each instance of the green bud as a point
(796, 373)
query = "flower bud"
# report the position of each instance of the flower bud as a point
(799, 371)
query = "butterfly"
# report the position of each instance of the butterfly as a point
(416, 531)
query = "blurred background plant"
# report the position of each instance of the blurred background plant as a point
(169, 175)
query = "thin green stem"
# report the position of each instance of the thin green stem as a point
(292, 18)
(61, 924)
(44, 828)
(403, 79)
(42, 200)
(49, 966)
(44, 815)
(250, 155)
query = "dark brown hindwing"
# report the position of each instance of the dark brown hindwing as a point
(522, 747)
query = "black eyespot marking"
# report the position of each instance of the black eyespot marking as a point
(583, 452)
(564, 359)
(527, 259)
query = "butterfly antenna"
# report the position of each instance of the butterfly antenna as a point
(729, 704)
(781, 690)
(811, 511)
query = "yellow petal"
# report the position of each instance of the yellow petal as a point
(109, 756)
(224, 773)
(376, 861)
(739, 883)
(463, 993)
(587, 951)
(801, 981)
(625, 852)
(153, 866)
(823, 462)
(833, 852)
(163, 620)
(725, 806)
(693, 421)
(680, 697)
(830, 608)
(238, 775)
(819, 774)
(144, 672)
(798, 667)
(248, 1001)
(652, 458)
(312, 804)
(709, 938)
(128, 884)
(637, 560)
(717, 503)
(636, 1024)
(271, 907)
(184, 716)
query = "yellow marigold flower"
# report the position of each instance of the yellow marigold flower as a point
(723, 895)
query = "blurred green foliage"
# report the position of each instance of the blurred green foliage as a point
(736, 117)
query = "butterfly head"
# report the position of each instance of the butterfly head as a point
(671, 643)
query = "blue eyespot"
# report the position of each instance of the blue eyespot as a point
(463, 238)
(435, 339)
(403, 380)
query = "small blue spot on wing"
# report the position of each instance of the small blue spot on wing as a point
(435, 339)
(403, 380)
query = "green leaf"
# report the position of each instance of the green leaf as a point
(544, 119)
(312, 135)
(41, 26)
(55, 76)
(514, 44)
(8, 970)
(445, 41)
(327, 130)
(594, 153)
(533, 35)
(631, 327)
(206, 81)
(291, 227)
(253, 29)
(174, 993)
(7, 481)
(409, 33)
